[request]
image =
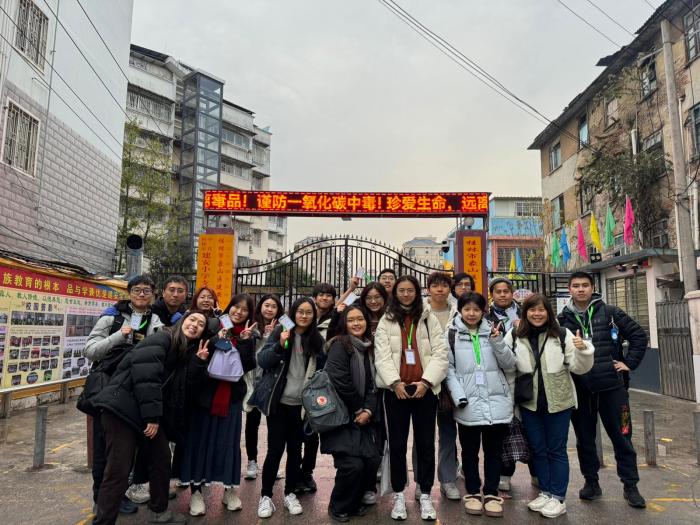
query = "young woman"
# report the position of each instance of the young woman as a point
(411, 362)
(350, 368)
(375, 299)
(205, 299)
(268, 311)
(536, 343)
(482, 398)
(212, 450)
(138, 402)
(293, 357)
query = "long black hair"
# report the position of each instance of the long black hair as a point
(178, 342)
(379, 288)
(311, 340)
(342, 333)
(395, 311)
(239, 298)
(258, 309)
(525, 328)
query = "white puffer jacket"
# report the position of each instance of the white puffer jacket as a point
(492, 402)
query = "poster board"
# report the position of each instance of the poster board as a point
(471, 258)
(45, 318)
(215, 264)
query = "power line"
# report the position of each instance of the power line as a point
(618, 24)
(647, 2)
(585, 22)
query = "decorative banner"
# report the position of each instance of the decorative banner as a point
(629, 222)
(44, 323)
(564, 245)
(471, 258)
(581, 242)
(555, 257)
(334, 204)
(609, 229)
(215, 264)
(595, 236)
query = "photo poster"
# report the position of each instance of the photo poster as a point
(44, 323)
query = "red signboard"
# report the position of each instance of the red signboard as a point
(334, 204)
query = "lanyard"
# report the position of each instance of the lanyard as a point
(409, 337)
(477, 348)
(588, 331)
(143, 324)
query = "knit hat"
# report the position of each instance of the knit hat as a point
(497, 280)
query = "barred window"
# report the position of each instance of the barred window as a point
(21, 134)
(32, 30)
(528, 209)
(232, 137)
(149, 106)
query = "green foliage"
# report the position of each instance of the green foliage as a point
(283, 274)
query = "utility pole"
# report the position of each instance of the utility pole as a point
(686, 251)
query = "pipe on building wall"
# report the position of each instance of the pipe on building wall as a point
(134, 256)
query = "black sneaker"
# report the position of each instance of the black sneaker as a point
(307, 484)
(361, 510)
(634, 498)
(126, 506)
(342, 517)
(590, 491)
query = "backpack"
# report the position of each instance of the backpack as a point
(324, 409)
(225, 364)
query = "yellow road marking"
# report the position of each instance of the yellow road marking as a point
(64, 445)
(653, 506)
(673, 500)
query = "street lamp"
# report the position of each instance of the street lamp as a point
(469, 222)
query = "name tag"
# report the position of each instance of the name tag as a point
(226, 322)
(135, 321)
(410, 356)
(480, 377)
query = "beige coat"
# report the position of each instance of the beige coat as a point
(431, 349)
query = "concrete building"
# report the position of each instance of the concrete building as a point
(622, 119)
(424, 250)
(62, 127)
(215, 143)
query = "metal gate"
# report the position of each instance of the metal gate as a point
(331, 260)
(675, 349)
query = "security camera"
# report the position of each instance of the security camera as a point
(634, 267)
(445, 246)
(225, 221)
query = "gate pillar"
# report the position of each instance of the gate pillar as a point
(693, 299)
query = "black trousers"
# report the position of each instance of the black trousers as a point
(399, 414)
(284, 430)
(121, 443)
(353, 476)
(308, 462)
(490, 437)
(99, 456)
(252, 424)
(614, 409)
(509, 470)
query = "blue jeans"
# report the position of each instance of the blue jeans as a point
(547, 434)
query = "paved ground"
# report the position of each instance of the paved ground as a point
(61, 494)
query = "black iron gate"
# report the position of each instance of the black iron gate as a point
(675, 349)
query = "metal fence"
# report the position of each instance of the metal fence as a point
(675, 349)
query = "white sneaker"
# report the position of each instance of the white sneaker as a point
(553, 508)
(539, 502)
(504, 484)
(450, 491)
(369, 498)
(418, 493)
(265, 507)
(231, 499)
(197, 507)
(251, 472)
(291, 503)
(399, 510)
(427, 511)
(138, 493)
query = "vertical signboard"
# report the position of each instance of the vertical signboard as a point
(215, 264)
(471, 258)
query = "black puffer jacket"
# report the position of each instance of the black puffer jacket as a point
(351, 439)
(161, 310)
(603, 375)
(135, 392)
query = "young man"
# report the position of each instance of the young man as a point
(171, 305)
(461, 284)
(387, 278)
(324, 295)
(602, 391)
(503, 309)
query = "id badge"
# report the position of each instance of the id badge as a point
(480, 378)
(286, 321)
(410, 357)
(226, 322)
(135, 322)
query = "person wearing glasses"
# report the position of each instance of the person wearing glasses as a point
(461, 284)
(113, 335)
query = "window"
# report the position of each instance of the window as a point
(653, 140)
(610, 111)
(582, 131)
(32, 29)
(585, 198)
(630, 294)
(695, 118)
(648, 77)
(558, 217)
(657, 235)
(257, 183)
(555, 156)
(232, 137)
(257, 238)
(149, 105)
(235, 169)
(528, 209)
(691, 21)
(20, 144)
(260, 156)
(532, 259)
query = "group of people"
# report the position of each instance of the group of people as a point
(505, 379)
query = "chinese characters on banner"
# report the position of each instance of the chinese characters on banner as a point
(44, 323)
(366, 204)
(215, 264)
(471, 257)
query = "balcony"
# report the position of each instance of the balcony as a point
(237, 117)
(263, 136)
(237, 153)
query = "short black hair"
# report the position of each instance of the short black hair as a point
(177, 279)
(460, 277)
(580, 274)
(471, 297)
(439, 278)
(141, 279)
(324, 288)
(387, 270)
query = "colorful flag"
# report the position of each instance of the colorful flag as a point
(512, 266)
(555, 251)
(564, 244)
(581, 242)
(629, 222)
(518, 260)
(595, 236)
(609, 229)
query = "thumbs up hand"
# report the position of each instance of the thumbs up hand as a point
(578, 342)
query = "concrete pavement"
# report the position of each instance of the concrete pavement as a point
(60, 495)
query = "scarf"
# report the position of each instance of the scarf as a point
(357, 364)
(222, 397)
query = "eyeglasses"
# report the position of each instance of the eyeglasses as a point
(463, 285)
(304, 314)
(375, 299)
(141, 291)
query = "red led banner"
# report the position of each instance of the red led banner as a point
(334, 204)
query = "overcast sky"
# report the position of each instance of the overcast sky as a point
(357, 101)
